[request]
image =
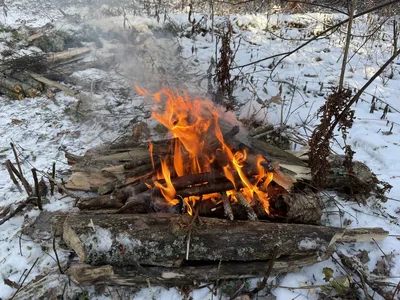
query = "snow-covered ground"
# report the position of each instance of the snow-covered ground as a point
(42, 128)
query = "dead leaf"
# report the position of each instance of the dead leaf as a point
(276, 99)
(141, 130)
(328, 272)
(16, 121)
(50, 94)
(363, 256)
(311, 75)
(12, 284)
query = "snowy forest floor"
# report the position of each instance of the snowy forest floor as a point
(161, 53)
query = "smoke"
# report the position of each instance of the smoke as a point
(146, 54)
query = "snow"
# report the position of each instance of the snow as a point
(42, 128)
(101, 240)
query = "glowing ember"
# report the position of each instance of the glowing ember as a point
(199, 146)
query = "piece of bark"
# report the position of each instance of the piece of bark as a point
(303, 207)
(359, 235)
(89, 182)
(161, 239)
(362, 182)
(186, 274)
(35, 36)
(273, 153)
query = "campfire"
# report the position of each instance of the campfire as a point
(202, 163)
(162, 205)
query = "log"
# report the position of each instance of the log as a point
(11, 84)
(100, 63)
(163, 239)
(11, 94)
(59, 57)
(187, 274)
(103, 202)
(28, 80)
(59, 86)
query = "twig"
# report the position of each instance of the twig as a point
(20, 243)
(188, 244)
(55, 252)
(22, 283)
(53, 175)
(379, 248)
(23, 180)
(196, 216)
(350, 263)
(8, 166)
(364, 286)
(396, 290)
(37, 190)
(288, 53)
(17, 210)
(262, 284)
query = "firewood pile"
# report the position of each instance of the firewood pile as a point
(200, 206)
(40, 64)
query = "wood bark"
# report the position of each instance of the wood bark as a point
(168, 239)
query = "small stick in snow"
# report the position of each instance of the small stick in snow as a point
(17, 210)
(37, 190)
(262, 284)
(8, 165)
(396, 290)
(53, 176)
(55, 252)
(25, 183)
(379, 248)
(27, 274)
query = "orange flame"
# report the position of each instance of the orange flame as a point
(151, 153)
(194, 124)
(168, 192)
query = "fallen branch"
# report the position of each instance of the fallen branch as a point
(59, 86)
(59, 57)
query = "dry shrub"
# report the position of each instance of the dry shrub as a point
(335, 104)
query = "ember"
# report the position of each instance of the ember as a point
(200, 147)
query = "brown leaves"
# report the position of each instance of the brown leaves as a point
(323, 133)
